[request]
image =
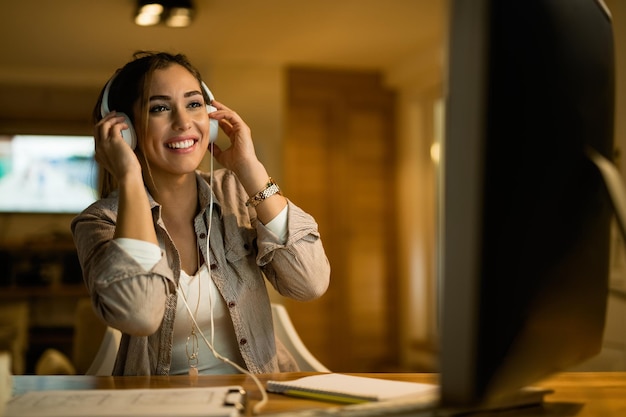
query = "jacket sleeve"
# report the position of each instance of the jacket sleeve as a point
(123, 293)
(298, 268)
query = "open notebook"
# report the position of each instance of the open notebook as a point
(367, 396)
(351, 389)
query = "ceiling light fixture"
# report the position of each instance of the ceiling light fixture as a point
(174, 13)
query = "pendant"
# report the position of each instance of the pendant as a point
(191, 348)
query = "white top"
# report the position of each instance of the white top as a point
(193, 287)
(203, 299)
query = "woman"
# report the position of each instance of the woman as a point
(170, 254)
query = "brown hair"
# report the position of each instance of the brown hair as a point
(130, 85)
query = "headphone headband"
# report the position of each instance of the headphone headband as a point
(104, 104)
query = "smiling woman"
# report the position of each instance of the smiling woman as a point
(169, 252)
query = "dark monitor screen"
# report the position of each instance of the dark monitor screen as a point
(525, 217)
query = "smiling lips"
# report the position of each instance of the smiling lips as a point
(183, 144)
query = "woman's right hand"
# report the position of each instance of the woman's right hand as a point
(134, 219)
(111, 150)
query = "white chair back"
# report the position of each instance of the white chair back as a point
(283, 327)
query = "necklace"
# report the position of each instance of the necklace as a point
(192, 345)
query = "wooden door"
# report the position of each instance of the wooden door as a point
(339, 166)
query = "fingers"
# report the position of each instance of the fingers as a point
(241, 148)
(111, 150)
(226, 127)
(229, 120)
(110, 126)
(224, 113)
(219, 105)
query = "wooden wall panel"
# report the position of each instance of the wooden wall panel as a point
(339, 166)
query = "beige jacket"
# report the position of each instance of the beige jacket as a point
(142, 304)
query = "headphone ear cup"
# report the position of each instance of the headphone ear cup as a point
(213, 124)
(129, 134)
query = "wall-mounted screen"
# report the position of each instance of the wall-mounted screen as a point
(46, 174)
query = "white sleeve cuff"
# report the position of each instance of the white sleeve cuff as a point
(145, 253)
(278, 225)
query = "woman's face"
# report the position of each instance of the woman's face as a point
(177, 135)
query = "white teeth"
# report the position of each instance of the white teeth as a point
(180, 145)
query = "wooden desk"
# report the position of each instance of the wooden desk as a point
(576, 394)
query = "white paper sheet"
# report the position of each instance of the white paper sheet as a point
(183, 402)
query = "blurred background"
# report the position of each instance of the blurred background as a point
(345, 100)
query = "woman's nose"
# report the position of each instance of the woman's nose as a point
(182, 121)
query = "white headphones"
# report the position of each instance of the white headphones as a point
(129, 134)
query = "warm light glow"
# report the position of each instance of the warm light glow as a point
(435, 150)
(179, 17)
(149, 14)
(152, 8)
(439, 127)
(173, 13)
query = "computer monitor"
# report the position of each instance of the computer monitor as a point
(525, 217)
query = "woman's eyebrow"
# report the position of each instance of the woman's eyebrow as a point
(165, 97)
(159, 97)
(193, 93)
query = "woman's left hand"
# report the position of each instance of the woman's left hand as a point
(240, 156)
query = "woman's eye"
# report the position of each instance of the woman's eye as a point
(158, 108)
(195, 104)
